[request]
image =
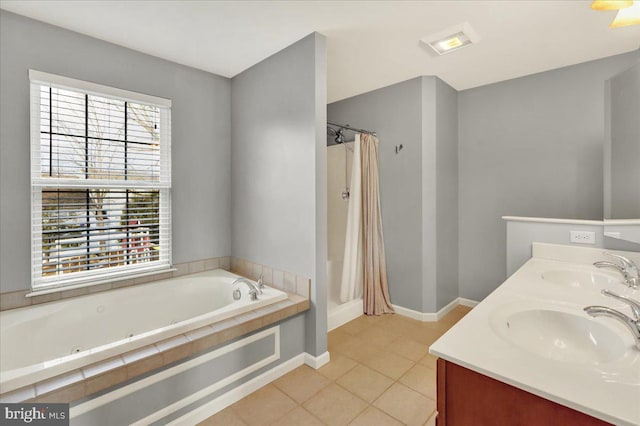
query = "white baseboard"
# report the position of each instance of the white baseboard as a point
(236, 394)
(410, 313)
(429, 316)
(316, 361)
(344, 313)
(467, 302)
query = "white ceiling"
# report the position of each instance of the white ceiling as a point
(371, 44)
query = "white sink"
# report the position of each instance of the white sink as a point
(580, 279)
(559, 336)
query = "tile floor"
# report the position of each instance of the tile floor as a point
(380, 374)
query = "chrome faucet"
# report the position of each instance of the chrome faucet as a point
(254, 290)
(260, 282)
(626, 267)
(633, 324)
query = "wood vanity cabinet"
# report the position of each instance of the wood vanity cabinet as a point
(469, 398)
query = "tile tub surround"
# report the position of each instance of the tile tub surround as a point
(380, 373)
(608, 391)
(276, 278)
(18, 299)
(96, 377)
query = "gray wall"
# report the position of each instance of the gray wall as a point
(624, 140)
(394, 112)
(521, 235)
(531, 146)
(418, 186)
(278, 164)
(446, 193)
(200, 135)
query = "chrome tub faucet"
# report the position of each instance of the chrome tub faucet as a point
(254, 290)
(633, 324)
(626, 267)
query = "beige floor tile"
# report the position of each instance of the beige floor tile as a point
(301, 383)
(390, 364)
(406, 405)
(374, 417)
(356, 326)
(455, 315)
(421, 379)
(336, 337)
(410, 349)
(298, 417)
(263, 406)
(432, 420)
(335, 406)
(225, 417)
(378, 335)
(337, 367)
(365, 383)
(359, 349)
(425, 335)
(429, 361)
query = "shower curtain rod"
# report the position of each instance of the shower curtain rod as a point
(352, 128)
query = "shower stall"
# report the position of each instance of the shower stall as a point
(344, 273)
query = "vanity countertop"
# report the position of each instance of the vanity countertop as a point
(608, 389)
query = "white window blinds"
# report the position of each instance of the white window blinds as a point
(100, 180)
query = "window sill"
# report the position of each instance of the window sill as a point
(108, 280)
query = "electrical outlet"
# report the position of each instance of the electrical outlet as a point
(583, 237)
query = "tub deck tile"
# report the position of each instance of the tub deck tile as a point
(25, 394)
(58, 382)
(102, 367)
(106, 380)
(138, 354)
(144, 365)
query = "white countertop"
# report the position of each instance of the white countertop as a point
(609, 391)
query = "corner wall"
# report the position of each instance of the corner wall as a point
(278, 170)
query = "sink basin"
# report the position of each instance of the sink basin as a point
(580, 279)
(560, 336)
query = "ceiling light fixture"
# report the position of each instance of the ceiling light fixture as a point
(627, 16)
(452, 38)
(628, 11)
(610, 4)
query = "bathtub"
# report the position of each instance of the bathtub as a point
(42, 341)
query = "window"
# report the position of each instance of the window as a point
(100, 182)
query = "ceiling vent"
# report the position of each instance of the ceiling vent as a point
(452, 38)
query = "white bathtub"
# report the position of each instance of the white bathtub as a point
(42, 341)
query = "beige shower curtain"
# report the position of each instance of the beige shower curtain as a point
(376, 291)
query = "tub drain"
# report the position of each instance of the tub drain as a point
(76, 350)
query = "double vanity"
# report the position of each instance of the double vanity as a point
(531, 353)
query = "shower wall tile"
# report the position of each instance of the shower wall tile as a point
(278, 278)
(303, 286)
(257, 270)
(289, 282)
(267, 275)
(181, 269)
(196, 266)
(213, 263)
(225, 263)
(14, 299)
(282, 280)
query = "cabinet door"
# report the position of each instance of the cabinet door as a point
(469, 398)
